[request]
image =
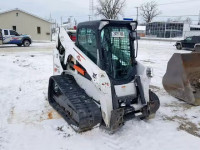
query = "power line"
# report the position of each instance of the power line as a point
(186, 1)
(91, 9)
(137, 13)
(76, 16)
(177, 2)
(180, 16)
(199, 18)
(174, 16)
(160, 16)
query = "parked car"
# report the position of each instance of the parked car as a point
(189, 42)
(72, 34)
(12, 37)
(197, 47)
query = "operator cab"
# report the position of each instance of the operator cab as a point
(110, 45)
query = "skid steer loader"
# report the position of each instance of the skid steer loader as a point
(182, 78)
(97, 80)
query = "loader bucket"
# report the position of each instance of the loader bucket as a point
(182, 78)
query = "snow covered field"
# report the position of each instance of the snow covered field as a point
(27, 122)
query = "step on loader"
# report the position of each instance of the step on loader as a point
(97, 79)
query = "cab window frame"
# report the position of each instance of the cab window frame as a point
(6, 32)
(87, 42)
(16, 34)
(188, 39)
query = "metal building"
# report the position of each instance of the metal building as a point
(171, 30)
(165, 29)
(26, 23)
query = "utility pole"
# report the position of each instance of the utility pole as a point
(89, 17)
(91, 9)
(61, 21)
(199, 18)
(75, 22)
(70, 21)
(137, 13)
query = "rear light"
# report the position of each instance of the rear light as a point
(73, 38)
(55, 69)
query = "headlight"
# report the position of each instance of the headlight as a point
(149, 72)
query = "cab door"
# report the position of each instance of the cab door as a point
(14, 37)
(187, 43)
(1, 37)
(6, 36)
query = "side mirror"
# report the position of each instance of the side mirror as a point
(133, 36)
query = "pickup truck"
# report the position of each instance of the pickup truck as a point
(12, 37)
(197, 48)
(188, 43)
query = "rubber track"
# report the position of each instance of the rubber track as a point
(73, 104)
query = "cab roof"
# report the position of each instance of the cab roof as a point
(95, 24)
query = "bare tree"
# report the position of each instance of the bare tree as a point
(178, 19)
(110, 9)
(149, 11)
(188, 20)
(169, 20)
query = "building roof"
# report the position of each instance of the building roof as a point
(194, 26)
(3, 12)
(96, 23)
(167, 22)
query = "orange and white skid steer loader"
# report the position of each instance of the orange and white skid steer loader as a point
(97, 80)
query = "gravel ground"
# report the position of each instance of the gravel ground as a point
(28, 122)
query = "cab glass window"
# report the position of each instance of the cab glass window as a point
(38, 30)
(5, 32)
(87, 43)
(13, 33)
(189, 39)
(116, 46)
(196, 39)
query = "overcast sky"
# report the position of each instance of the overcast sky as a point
(80, 8)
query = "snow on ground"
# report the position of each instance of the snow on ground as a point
(28, 122)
